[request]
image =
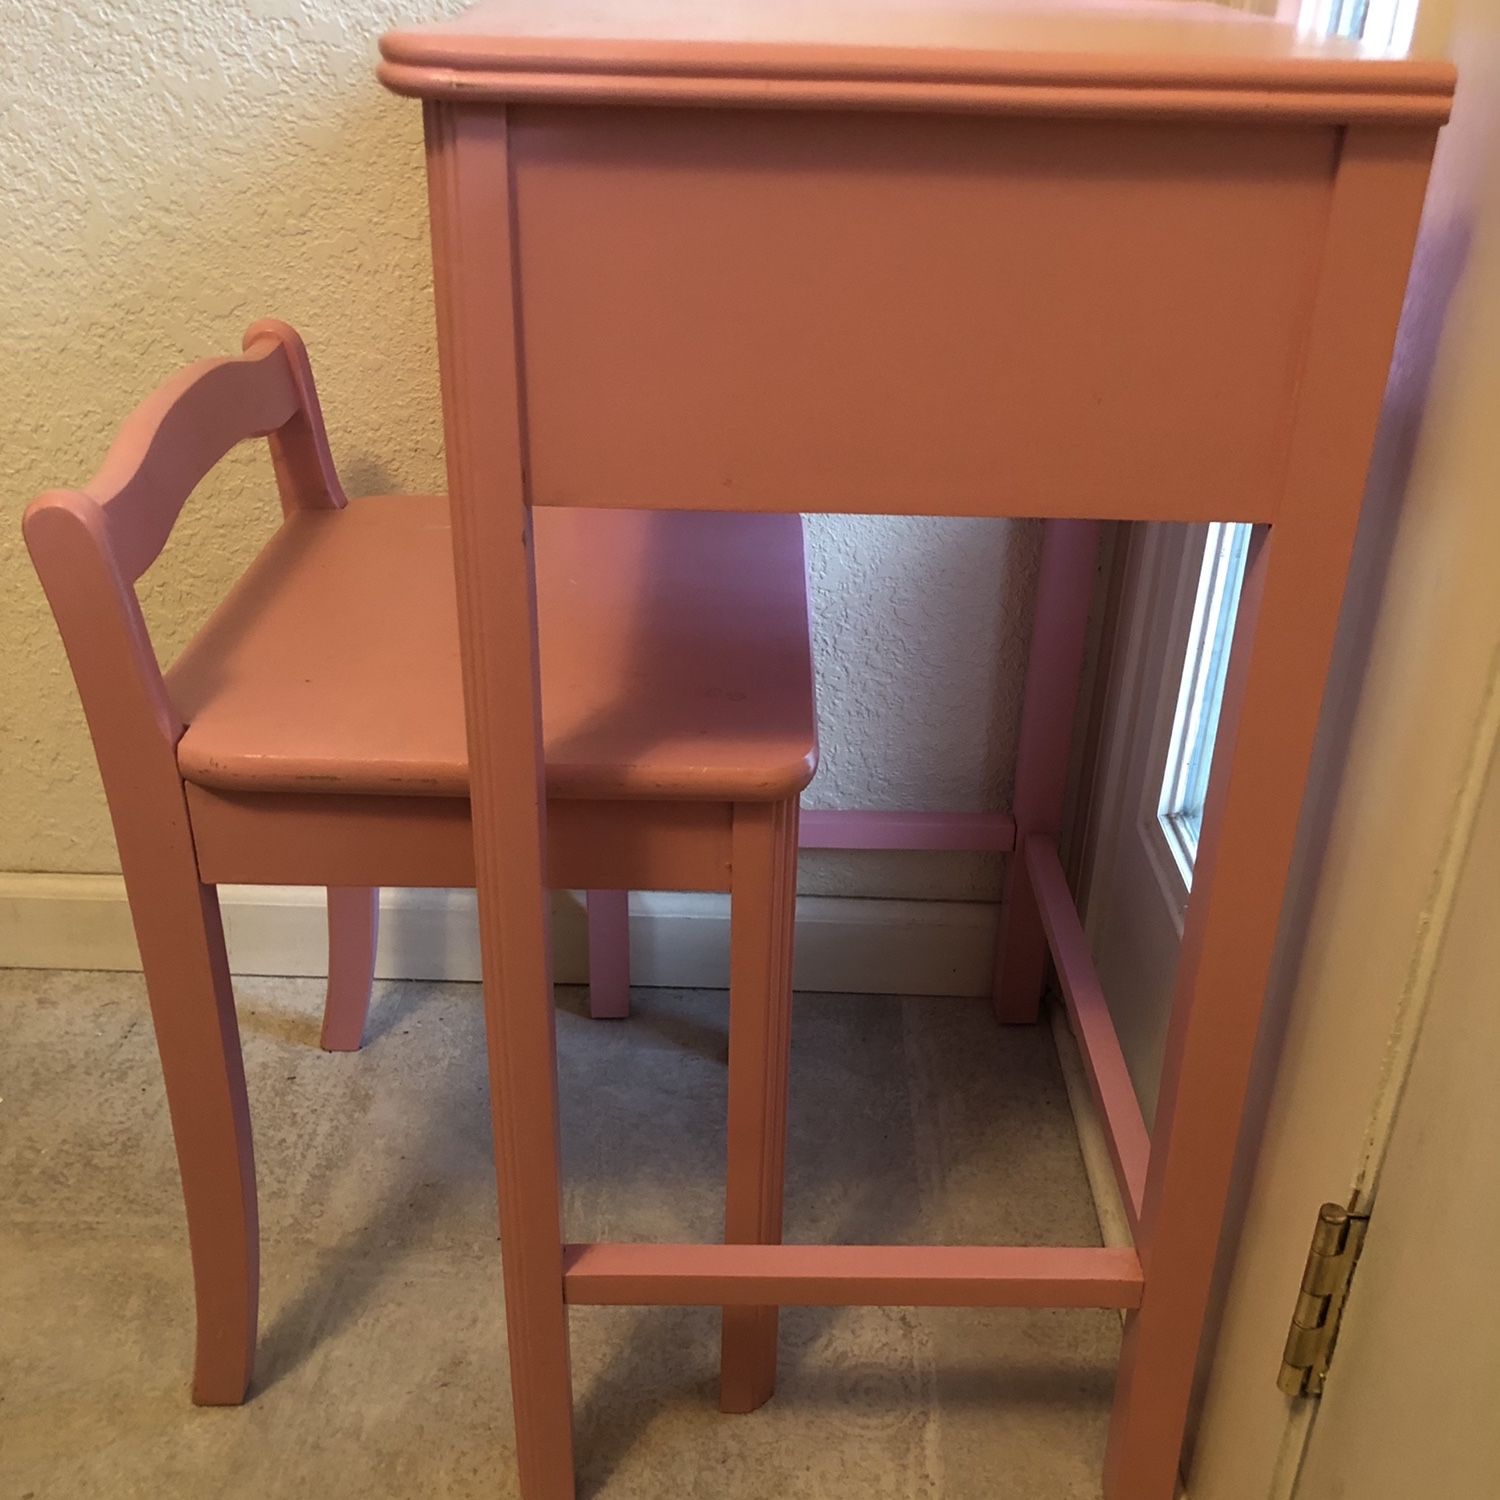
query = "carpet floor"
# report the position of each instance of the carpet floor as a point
(381, 1371)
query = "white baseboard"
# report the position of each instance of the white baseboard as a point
(849, 945)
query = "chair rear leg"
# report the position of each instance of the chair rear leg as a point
(763, 897)
(609, 955)
(181, 940)
(353, 928)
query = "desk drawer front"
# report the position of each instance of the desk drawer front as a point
(915, 313)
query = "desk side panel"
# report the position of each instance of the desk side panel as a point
(866, 312)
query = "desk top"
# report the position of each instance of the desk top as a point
(1142, 57)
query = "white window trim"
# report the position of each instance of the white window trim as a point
(1163, 571)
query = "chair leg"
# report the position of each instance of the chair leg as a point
(763, 896)
(353, 928)
(181, 940)
(609, 955)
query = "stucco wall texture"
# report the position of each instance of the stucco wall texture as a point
(171, 170)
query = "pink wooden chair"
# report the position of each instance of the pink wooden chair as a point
(312, 733)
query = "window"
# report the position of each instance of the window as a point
(1344, 18)
(1386, 24)
(1201, 693)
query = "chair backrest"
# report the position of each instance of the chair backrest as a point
(89, 546)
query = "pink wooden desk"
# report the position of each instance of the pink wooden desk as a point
(1126, 261)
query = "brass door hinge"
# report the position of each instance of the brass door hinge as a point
(1335, 1248)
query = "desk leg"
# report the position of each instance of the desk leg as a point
(1284, 634)
(763, 896)
(468, 183)
(1065, 586)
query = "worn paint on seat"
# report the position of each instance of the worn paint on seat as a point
(674, 648)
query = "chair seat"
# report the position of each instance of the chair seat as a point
(674, 646)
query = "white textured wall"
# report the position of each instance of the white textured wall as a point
(171, 170)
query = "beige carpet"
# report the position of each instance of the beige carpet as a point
(381, 1369)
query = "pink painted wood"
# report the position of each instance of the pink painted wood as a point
(609, 955)
(1088, 1014)
(1046, 261)
(247, 837)
(1054, 666)
(1283, 640)
(89, 547)
(733, 1276)
(863, 828)
(353, 930)
(275, 749)
(760, 1021)
(708, 718)
(1168, 59)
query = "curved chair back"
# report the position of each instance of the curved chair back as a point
(90, 546)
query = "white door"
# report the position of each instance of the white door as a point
(1412, 1405)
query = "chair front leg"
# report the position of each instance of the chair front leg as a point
(763, 893)
(353, 929)
(181, 940)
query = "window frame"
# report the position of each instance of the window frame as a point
(1214, 562)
